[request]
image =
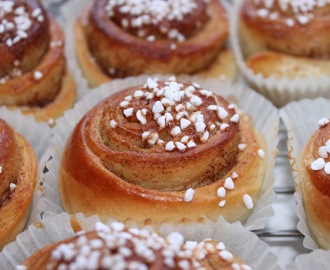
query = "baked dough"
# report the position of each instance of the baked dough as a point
(106, 50)
(45, 88)
(160, 152)
(18, 168)
(283, 39)
(117, 247)
(315, 185)
(280, 65)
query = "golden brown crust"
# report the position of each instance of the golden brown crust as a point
(30, 51)
(18, 167)
(146, 57)
(148, 250)
(48, 95)
(283, 30)
(281, 65)
(150, 183)
(315, 187)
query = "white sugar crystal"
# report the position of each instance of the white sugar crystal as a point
(318, 164)
(220, 246)
(141, 117)
(222, 113)
(323, 152)
(226, 255)
(221, 192)
(138, 94)
(184, 123)
(175, 131)
(229, 183)
(196, 100)
(37, 75)
(180, 146)
(128, 112)
(12, 187)
(200, 126)
(327, 168)
(248, 201)
(191, 144)
(189, 195)
(235, 118)
(157, 107)
(261, 153)
(170, 146)
(323, 121)
(113, 123)
(224, 126)
(124, 103)
(242, 146)
(222, 203)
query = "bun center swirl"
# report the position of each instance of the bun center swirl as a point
(163, 135)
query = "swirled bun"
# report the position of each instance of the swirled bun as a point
(33, 72)
(114, 40)
(314, 172)
(117, 247)
(18, 169)
(285, 38)
(165, 151)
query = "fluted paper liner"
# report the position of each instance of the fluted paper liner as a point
(264, 118)
(318, 259)
(39, 136)
(238, 240)
(279, 91)
(301, 120)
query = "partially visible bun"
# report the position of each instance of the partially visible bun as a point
(18, 169)
(314, 171)
(117, 247)
(176, 39)
(34, 75)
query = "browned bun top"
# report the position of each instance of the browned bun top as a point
(117, 247)
(175, 20)
(24, 36)
(163, 125)
(317, 160)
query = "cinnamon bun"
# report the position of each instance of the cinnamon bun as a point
(118, 247)
(18, 168)
(314, 172)
(290, 30)
(124, 38)
(165, 151)
(33, 71)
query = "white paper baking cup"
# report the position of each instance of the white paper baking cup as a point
(264, 117)
(279, 91)
(301, 120)
(39, 136)
(238, 240)
(318, 259)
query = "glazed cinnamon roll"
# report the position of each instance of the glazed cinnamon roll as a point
(33, 72)
(18, 168)
(165, 151)
(315, 183)
(123, 38)
(118, 247)
(293, 29)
